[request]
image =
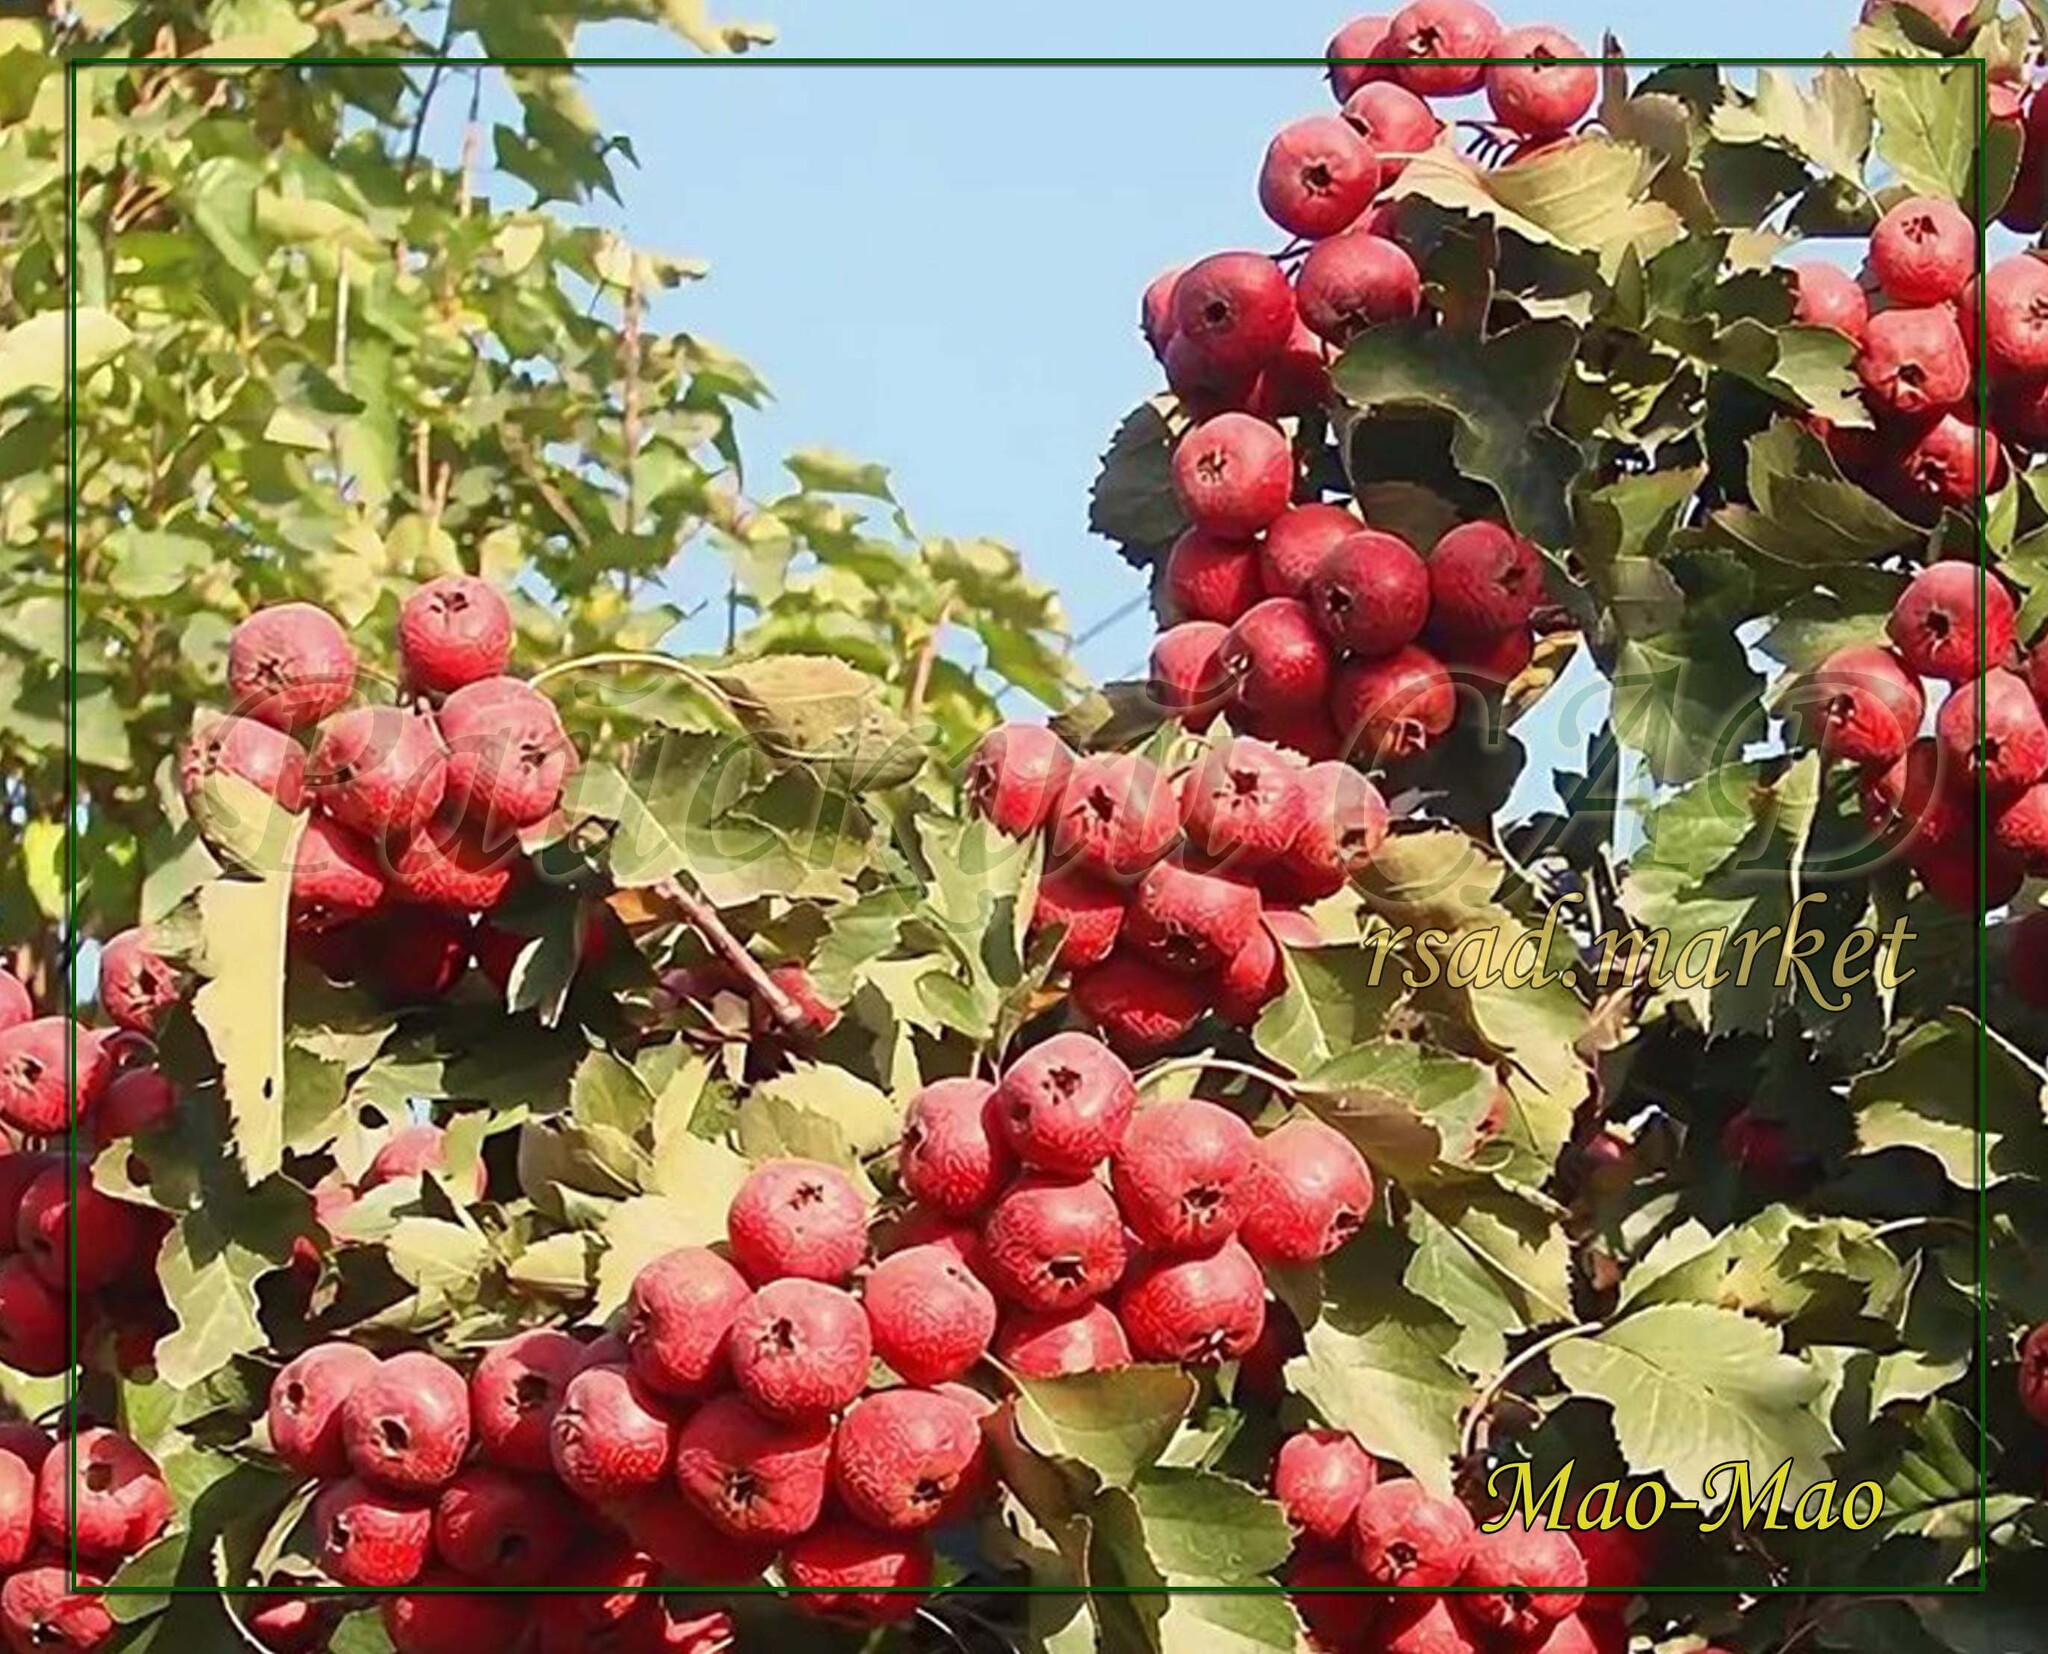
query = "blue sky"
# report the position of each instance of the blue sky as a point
(939, 269)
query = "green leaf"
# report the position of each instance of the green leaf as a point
(1404, 1106)
(1385, 1375)
(825, 715)
(1827, 122)
(1924, 1097)
(1802, 512)
(831, 473)
(1116, 1423)
(1259, 1623)
(1497, 396)
(1693, 1387)
(208, 1269)
(1334, 998)
(244, 924)
(1201, 1526)
(1133, 501)
(638, 1231)
(1928, 116)
(1687, 701)
(32, 352)
(1588, 194)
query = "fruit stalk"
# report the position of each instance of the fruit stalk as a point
(703, 918)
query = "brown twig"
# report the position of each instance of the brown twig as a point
(921, 678)
(703, 918)
(629, 366)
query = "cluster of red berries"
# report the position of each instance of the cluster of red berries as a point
(1915, 316)
(1312, 628)
(96, 1498)
(734, 1422)
(1521, 1590)
(415, 808)
(1867, 705)
(1170, 902)
(54, 1224)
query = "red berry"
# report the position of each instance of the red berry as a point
(1253, 979)
(378, 770)
(1914, 361)
(1116, 816)
(1424, 1624)
(1087, 1338)
(610, 1435)
(906, 1459)
(1483, 580)
(1826, 295)
(2033, 1375)
(1208, 578)
(1405, 1535)
(1527, 1580)
(753, 1477)
(1052, 1242)
(103, 1495)
(17, 1510)
(336, 878)
(416, 954)
(268, 759)
(137, 984)
(1244, 803)
(35, 1327)
(1235, 308)
(1542, 97)
(1344, 822)
(1155, 310)
(84, 1234)
(844, 1571)
(1205, 387)
(1015, 777)
(1188, 921)
(501, 1529)
(1277, 658)
(1233, 474)
(441, 1620)
(453, 631)
(954, 1157)
(2006, 747)
(1923, 251)
(1319, 174)
(1394, 707)
(1863, 706)
(797, 1217)
(801, 1349)
(452, 865)
(1331, 1596)
(1361, 38)
(53, 1606)
(1181, 1175)
(1934, 625)
(1951, 875)
(679, 1316)
(1186, 678)
(1195, 1310)
(1371, 593)
(369, 1538)
(1355, 281)
(137, 1102)
(290, 666)
(291, 1625)
(1294, 547)
(1760, 1150)
(932, 1316)
(1951, 464)
(1063, 1105)
(508, 755)
(1310, 1193)
(1397, 124)
(2013, 306)
(1319, 1476)
(515, 1392)
(1137, 1006)
(1428, 32)
(53, 1073)
(15, 1005)
(410, 1151)
(679, 1537)
(406, 1425)
(2020, 829)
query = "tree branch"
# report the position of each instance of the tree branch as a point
(703, 918)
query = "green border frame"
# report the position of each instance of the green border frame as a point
(441, 62)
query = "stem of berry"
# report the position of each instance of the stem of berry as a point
(1219, 1065)
(608, 658)
(703, 918)
(1487, 1397)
